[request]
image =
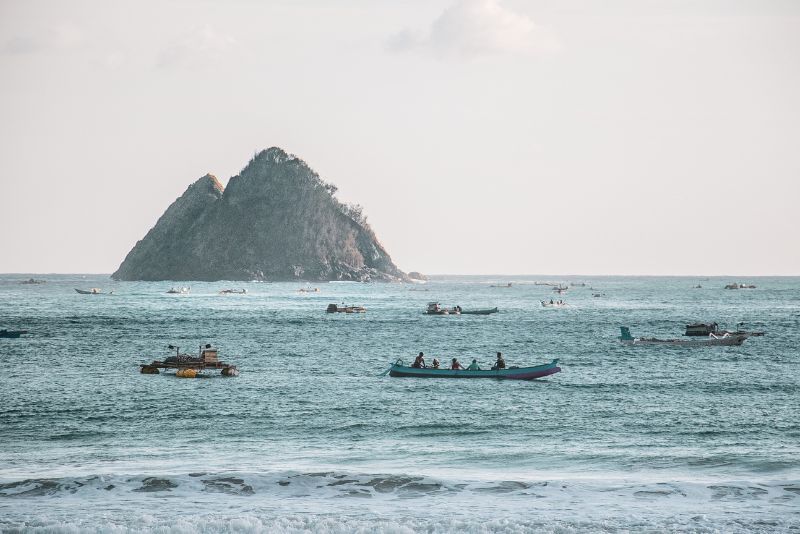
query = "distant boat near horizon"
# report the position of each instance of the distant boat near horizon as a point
(179, 290)
(740, 286)
(93, 291)
(32, 281)
(556, 304)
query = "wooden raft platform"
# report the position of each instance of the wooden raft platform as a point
(182, 362)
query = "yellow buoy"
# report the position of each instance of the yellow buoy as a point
(186, 373)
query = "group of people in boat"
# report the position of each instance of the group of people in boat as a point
(455, 365)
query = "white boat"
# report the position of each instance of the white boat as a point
(712, 340)
(92, 291)
(557, 304)
(178, 290)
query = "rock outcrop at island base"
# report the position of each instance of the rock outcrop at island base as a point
(276, 220)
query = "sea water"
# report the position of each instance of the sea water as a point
(312, 437)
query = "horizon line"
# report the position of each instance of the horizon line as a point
(456, 274)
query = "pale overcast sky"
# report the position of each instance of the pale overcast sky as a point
(481, 136)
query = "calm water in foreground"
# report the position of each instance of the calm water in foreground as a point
(310, 438)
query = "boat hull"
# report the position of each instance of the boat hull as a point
(479, 312)
(727, 341)
(521, 373)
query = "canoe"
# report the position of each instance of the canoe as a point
(479, 312)
(513, 373)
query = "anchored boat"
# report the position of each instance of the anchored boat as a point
(487, 311)
(12, 333)
(334, 308)
(434, 308)
(187, 366)
(92, 291)
(712, 340)
(399, 369)
(179, 290)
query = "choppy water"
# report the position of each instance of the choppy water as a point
(310, 438)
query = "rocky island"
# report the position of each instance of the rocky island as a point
(276, 220)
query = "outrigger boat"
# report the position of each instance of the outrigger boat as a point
(712, 340)
(399, 369)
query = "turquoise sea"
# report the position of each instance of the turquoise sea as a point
(311, 439)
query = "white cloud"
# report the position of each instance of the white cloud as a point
(199, 46)
(472, 28)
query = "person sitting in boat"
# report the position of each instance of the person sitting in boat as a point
(474, 366)
(551, 301)
(500, 363)
(435, 363)
(419, 362)
(455, 365)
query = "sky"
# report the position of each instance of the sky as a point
(481, 136)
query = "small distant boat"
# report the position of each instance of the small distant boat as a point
(334, 308)
(502, 285)
(557, 304)
(712, 340)
(92, 291)
(12, 333)
(308, 290)
(560, 289)
(31, 281)
(577, 284)
(233, 292)
(399, 369)
(434, 308)
(740, 286)
(179, 290)
(698, 286)
(487, 311)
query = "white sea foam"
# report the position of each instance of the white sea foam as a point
(335, 501)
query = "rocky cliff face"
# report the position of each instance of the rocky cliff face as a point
(276, 220)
